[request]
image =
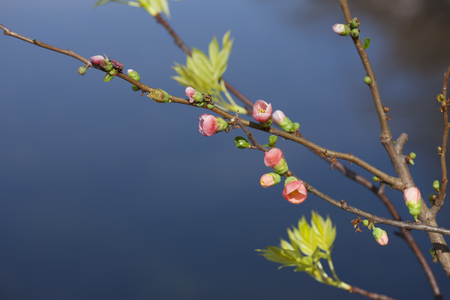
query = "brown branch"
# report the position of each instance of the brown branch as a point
(321, 151)
(440, 200)
(399, 164)
(180, 43)
(405, 234)
(250, 135)
(367, 294)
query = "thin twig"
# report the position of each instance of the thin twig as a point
(440, 200)
(405, 234)
(180, 43)
(369, 295)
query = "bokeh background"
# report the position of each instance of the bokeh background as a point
(108, 195)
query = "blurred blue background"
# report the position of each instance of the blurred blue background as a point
(108, 195)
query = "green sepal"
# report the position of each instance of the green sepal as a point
(210, 106)
(203, 104)
(108, 78)
(282, 167)
(290, 179)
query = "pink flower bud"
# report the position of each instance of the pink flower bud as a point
(380, 236)
(273, 157)
(210, 124)
(411, 195)
(270, 179)
(295, 192)
(341, 29)
(262, 111)
(278, 116)
(97, 59)
(190, 91)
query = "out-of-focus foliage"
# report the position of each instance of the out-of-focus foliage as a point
(153, 7)
(204, 73)
(308, 244)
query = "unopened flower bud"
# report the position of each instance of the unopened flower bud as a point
(365, 222)
(270, 179)
(283, 121)
(436, 185)
(380, 236)
(341, 29)
(134, 75)
(82, 70)
(135, 88)
(367, 80)
(274, 158)
(193, 94)
(209, 125)
(413, 201)
(97, 59)
(412, 155)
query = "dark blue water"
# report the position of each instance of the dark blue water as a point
(108, 195)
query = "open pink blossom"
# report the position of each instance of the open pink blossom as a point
(411, 195)
(295, 192)
(262, 111)
(97, 59)
(273, 157)
(190, 91)
(383, 240)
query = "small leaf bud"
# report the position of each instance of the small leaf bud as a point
(272, 140)
(412, 155)
(354, 23)
(411, 162)
(210, 106)
(241, 143)
(113, 72)
(432, 197)
(376, 179)
(440, 98)
(365, 222)
(296, 126)
(108, 78)
(135, 88)
(367, 80)
(134, 75)
(82, 70)
(159, 95)
(354, 33)
(436, 185)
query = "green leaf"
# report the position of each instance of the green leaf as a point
(366, 43)
(213, 52)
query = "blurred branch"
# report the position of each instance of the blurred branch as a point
(180, 43)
